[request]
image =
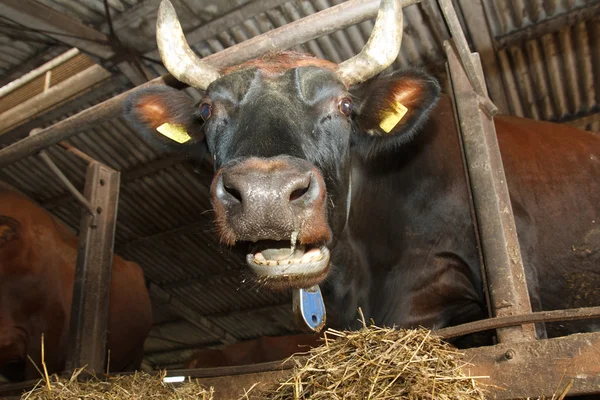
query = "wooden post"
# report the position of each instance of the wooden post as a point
(89, 310)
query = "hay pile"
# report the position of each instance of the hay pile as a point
(137, 386)
(373, 363)
(379, 363)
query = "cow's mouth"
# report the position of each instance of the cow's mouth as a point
(300, 266)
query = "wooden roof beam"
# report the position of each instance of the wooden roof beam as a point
(65, 29)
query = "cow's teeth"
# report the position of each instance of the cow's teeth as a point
(310, 255)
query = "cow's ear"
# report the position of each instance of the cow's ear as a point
(165, 117)
(396, 106)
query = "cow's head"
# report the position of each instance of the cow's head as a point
(280, 130)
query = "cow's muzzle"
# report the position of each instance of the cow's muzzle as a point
(277, 204)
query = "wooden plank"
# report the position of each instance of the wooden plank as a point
(515, 370)
(51, 98)
(91, 289)
(539, 368)
(65, 29)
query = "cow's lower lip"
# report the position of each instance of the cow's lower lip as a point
(312, 262)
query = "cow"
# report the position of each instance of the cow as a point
(346, 177)
(37, 271)
(259, 350)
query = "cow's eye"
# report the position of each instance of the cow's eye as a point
(345, 106)
(205, 111)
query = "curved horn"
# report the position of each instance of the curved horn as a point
(175, 53)
(382, 48)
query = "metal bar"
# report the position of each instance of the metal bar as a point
(298, 32)
(495, 219)
(234, 370)
(89, 311)
(76, 152)
(66, 182)
(477, 80)
(190, 315)
(243, 386)
(513, 320)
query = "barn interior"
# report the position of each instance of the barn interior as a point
(541, 60)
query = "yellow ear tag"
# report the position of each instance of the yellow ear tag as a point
(174, 132)
(392, 118)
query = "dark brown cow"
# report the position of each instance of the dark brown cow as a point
(262, 349)
(362, 189)
(37, 267)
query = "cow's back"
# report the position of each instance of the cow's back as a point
(32, 280)
(38, 264)
(553, 174)
(410, 247)
(130, 315)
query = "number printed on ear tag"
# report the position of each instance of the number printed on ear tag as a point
(174, 132)
(392, 118)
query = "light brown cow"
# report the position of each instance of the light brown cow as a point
(37, 267)
(262, 349)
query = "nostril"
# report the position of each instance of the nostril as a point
(296, 194)
(234, 192)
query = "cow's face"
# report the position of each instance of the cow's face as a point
(280, 143)
(280, 130)
(279, 133)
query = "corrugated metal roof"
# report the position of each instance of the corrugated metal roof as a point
(554, 77)
(14, 52)
(164, 220)
(91, 12)
(507, 16)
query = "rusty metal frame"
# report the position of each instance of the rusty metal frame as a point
(519, 319)
(494, 216)
(518, 350)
